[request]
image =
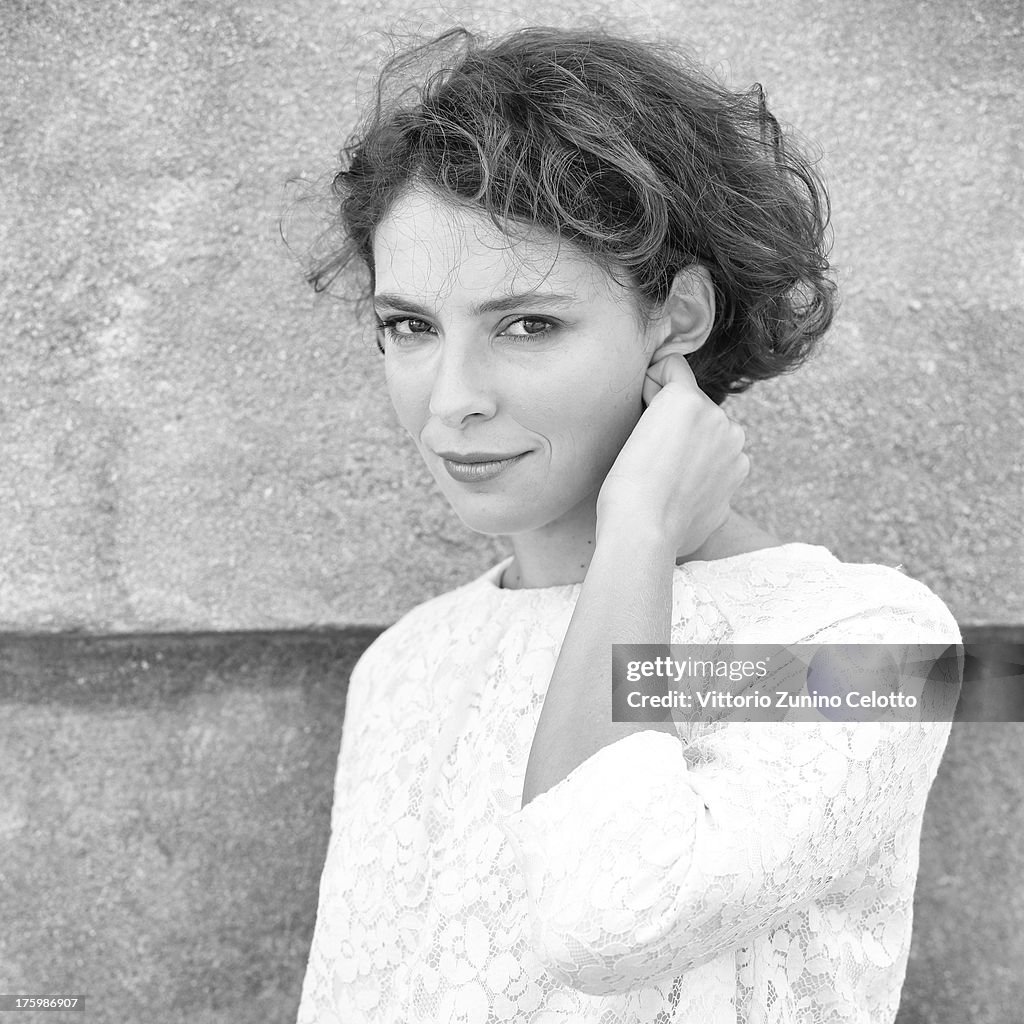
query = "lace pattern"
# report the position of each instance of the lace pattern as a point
(733, 873)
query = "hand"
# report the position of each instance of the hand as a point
(679, 468)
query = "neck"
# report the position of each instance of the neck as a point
(560, 553)
(556, 554)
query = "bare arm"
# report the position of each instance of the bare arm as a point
(666, 493)
(626, 597)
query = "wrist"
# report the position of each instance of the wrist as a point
(635, 539)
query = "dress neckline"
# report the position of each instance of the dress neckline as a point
(491, 579)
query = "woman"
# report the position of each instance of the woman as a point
(578, 246)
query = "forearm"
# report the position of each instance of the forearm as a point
(626, 597)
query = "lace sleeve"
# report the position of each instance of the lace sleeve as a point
(354, 722)
(655, 855)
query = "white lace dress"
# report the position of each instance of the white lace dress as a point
(736, 873)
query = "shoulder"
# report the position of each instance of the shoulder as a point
(424, 628)
(803, 589)
(887, 595)
(404, 655)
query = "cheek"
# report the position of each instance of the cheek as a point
(607, 385)
(594, 419)
(406, 397)
(609, 403)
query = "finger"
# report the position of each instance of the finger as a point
(671, 367)
(651, 387)
(675, 367)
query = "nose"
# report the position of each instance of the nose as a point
(463, 383)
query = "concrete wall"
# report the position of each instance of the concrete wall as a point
(166, 808)
(190, 442)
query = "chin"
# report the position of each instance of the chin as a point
(495, 525)
(501, 521)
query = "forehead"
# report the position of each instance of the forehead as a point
(428, 247)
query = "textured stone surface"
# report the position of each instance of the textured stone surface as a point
(165, 820)
(190, 441)
(165, 815)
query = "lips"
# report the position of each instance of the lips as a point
(469, 458)
(480, 472)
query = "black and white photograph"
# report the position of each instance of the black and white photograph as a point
(512, 515)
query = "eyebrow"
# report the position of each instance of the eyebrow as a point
(501, 305)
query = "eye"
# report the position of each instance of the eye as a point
(547, 326)
(388, 328)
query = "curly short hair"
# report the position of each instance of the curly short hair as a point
(625, 148)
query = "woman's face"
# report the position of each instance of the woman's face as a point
(556, 372)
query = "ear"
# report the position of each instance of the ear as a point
(688, 314)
